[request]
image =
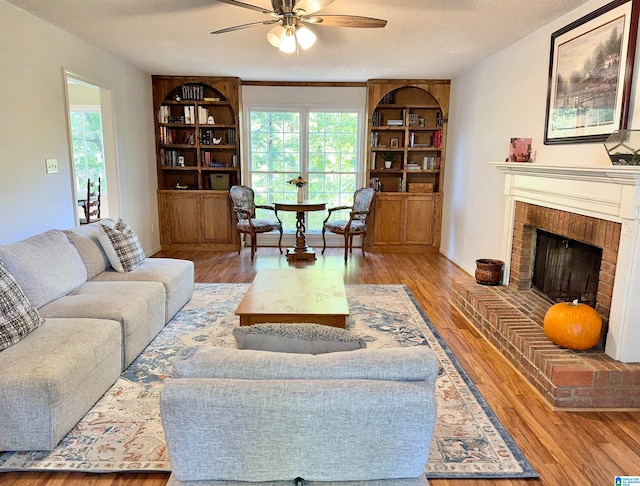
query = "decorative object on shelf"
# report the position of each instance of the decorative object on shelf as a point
(211, 120)
(520, 150)
(488, 271)
(394, 142)
(573, 325)
(590, 75)
(299, 183)
(623, 147)
(291, 31)
(388, 158)
(216, 141)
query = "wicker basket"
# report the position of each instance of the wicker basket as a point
(420, 186)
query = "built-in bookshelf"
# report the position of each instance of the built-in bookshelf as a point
(407, 125)
(197, 132)
(198, 158)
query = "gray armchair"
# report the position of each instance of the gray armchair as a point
(260, 416)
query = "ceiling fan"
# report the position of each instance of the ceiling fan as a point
(292, 16)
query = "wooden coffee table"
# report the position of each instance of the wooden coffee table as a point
(295, 295)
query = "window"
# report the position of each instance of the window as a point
(320, 145)
(88, 153)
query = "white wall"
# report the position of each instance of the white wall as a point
(502, 97)
(33, 127)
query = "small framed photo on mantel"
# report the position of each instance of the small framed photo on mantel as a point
(520, 150)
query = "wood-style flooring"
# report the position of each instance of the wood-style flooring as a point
(565, 448)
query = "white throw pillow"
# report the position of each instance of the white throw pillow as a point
(121, 245)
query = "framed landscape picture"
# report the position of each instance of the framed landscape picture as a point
(590, 75)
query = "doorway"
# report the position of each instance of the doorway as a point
(92, 143)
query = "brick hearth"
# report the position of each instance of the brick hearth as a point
(511, 320)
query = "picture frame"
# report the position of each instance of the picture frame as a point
(520, 149)
(394, 142)
(590, 75)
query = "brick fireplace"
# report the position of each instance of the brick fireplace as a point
(599, 206)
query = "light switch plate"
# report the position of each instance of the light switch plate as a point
(52, 166)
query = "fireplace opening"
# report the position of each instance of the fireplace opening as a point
(566, 269)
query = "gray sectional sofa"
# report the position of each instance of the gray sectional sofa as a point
(96, 322)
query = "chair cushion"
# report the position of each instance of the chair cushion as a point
(17, 316)
(340, 226)
(260, 225)
(297, 338)
(121, 245)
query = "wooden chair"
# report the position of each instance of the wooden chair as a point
(355, 225)
(244, 211)
(91, 204)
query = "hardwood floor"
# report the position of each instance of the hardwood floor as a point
(565, 448)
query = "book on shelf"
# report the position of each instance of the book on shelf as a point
(374, 139)
(376, 119)
(231, 136)
(395, 123)
(192, 92)
(439, 118)
(203, 115)
(189, 115)
(413, 166)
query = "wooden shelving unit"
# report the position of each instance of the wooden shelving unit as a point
(198, 159)
(407, 118)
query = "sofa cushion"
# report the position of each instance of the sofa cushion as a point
(46, 266)
(53, 377)
(85, 239)
(121, 245)
(413, 363)
(176, 276)
(139, 307)
(17, 316)
(297, 338)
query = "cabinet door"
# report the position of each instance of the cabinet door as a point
(388, 221)
(216, 218)
(184, 218)
(419, 220)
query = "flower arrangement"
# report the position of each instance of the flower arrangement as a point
(299, 182)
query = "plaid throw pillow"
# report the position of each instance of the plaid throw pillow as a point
(121, 245)
(17, 316)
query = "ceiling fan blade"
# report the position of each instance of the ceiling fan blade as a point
(248, 5)
(310, 6)
(346, 21)
(245, 26)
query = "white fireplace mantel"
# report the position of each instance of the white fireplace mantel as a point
(606, 192)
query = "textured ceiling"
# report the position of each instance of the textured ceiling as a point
(423, 38)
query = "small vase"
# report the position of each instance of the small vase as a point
(300, 194)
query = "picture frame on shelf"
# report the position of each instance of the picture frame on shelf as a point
(421, 121)
(394, 142)
(590, 75)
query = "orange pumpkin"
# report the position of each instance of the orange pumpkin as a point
(573, 325)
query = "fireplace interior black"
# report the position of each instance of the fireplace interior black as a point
(565, 269)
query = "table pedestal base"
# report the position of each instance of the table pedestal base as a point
(295, 254)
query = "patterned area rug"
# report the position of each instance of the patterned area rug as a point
(123, 431)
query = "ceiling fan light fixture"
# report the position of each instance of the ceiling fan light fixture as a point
(275, 35)
(288, 44)
(306, 38)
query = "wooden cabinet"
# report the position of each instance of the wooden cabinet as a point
(407, 124)
(196, 220)
(197, 126)
(405, 221)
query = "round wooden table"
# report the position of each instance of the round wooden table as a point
(301, 250)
